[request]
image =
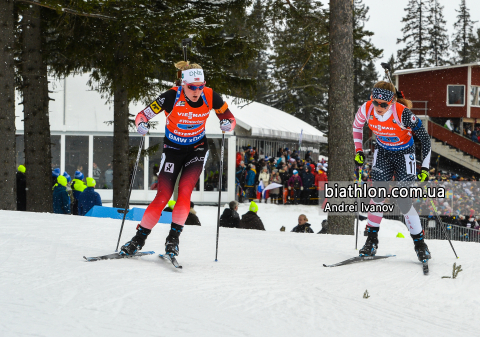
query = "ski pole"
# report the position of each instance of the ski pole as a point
(130, 190)
(442, 225)
(220, 191)
(358, 204)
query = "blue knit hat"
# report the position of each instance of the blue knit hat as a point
(66, 175)
(56, 172)
(78, 175)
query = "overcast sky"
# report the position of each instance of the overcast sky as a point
(386, 16)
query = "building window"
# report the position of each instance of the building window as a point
(76, 155)
(455, 95)
(103, 161)
(212, 166)
(55, 147)
(475, 96)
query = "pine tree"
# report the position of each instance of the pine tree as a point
(364, 52)
(300, 45)
(7, 107)
(463, 37)
(132, 56)
(415, 36)
(437, 35)
(258, 68)
(475, 48)
(340, 104)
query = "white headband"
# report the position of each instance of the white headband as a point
(192, 75)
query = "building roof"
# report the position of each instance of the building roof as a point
(78, 109)
(419, 70)
(264, 121)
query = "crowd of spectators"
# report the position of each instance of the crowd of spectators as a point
(461, 205)
(74, 196)
(297, 180)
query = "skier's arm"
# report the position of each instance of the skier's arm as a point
(413, 122)
(164, 102)
(227, 120)
(358, 123)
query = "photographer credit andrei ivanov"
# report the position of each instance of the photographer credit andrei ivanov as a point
(389, 117)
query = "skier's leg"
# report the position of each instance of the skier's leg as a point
(405, 171)
(382, 172)
(193, 165)
(170, 166)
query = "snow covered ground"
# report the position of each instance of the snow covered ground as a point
(265, 283)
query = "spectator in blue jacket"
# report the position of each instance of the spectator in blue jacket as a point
(88, 198)
(250, 183)
(61, 200)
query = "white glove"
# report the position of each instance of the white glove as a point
(143, 128)
(301, 188)
(225, 125)
(289, 187)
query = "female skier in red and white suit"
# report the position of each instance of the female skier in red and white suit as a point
(185, 150)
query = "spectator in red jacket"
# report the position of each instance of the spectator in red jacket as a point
(320, 181)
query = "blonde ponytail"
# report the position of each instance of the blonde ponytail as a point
(185, 65)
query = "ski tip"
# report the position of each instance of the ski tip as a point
(324, 265)
(85, 258)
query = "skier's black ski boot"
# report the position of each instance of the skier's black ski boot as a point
(172, 241)
(421, 247)
(136, 243)
(371, 245)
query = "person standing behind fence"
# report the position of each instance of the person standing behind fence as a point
(21, 189)
(61, 200)
(240, 180)
(275, 192)
(295, 184)
(88, 198)
(97, 173)
(250, 183)
(265, 177)
(308, 181)
(109, 176)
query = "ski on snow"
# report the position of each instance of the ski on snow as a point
(358, 259)
(115, 256)
(172, 259)
(425, 267)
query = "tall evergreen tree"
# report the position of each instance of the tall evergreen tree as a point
(415, 36)
(364, 52)
(437, 34)
(475, 50)
(139, 48)
(7, 107)
(34, 90)
(258, 68)
(300, 45)
(340, 95)
(463, 37)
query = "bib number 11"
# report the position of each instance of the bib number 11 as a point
(410, 163)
